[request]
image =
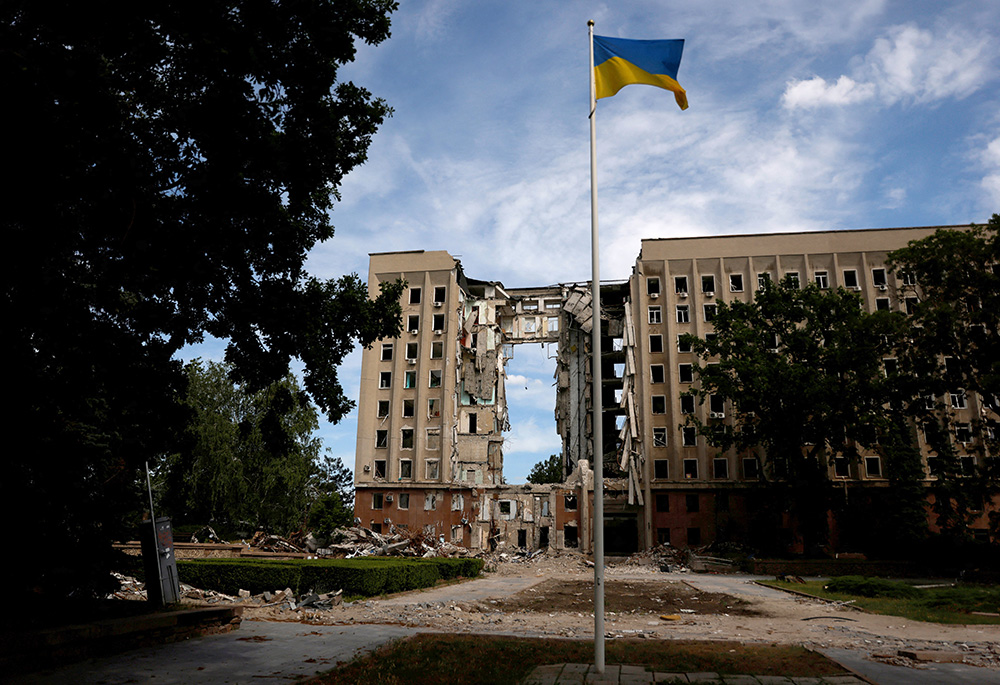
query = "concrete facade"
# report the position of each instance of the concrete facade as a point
(432, 409)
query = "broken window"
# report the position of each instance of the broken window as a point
(653, 286)
(435, 379)
(735, 283)
(457, 501)
(430, 501)
(571, 537)
(694, 536)
(683, 313)
(655, 344)
(882, 304)
(822, 280)
(383, 409)
(659, 436)
(411, 350)
(663, 503)
(437, 322)
(380, 468)
(656, 374)
(406, 438)
(763, 278)
(409, 379)
(709, 312)
(879, 279)
(851, 279)
(659, 404)
(841, 467)
(385, 379)
(414, 295)
(690, 469)
(530, 305)
(708, 285)
(958, 399)
(692, 503)
(473, 422)
(873, 467)
(751, 468)
(522, 538)
(569, 502)
(543, 536)
(661, 469)
(377, 500)
(663, 536)
(407, 409)
(433, 439)
(376, 527)
(654, 315)
(413, 323)
(963, 433)
(386, 352)
(508, 509)
(433, 408)
(529, 324)
(968, 468)
(433, 469)
(891, 366)
(553, 304)
(552, 324)
(792, 277)
(722, 501)
(456, 533)
(405, 469)
(437, 350)
(681, 284)
(381, 439)
(687, 404)
(689, 436)
(403, 500)
(720, 468)
(717, 406)
(685, 373)
(545, 507)
(440, 293)
(683, 344)
(910, 305)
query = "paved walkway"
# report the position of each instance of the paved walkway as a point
(579, 674)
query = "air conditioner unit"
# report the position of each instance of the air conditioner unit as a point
(883, 286)
(653, 296)
(388, 498)
(709, 293)
(411, 362)
(682, 294)
(439, 304)
(368, 467)
(438, 332)
(717, 415)
(414, 331)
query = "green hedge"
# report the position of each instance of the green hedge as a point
(367, 577)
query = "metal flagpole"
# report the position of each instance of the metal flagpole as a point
(595, 336)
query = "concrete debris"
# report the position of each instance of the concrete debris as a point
(360, 542)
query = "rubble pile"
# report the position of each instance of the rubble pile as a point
(663, 556)
(131, 589)
(358, 542)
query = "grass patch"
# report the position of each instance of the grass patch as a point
(430, 659)
(937, 605)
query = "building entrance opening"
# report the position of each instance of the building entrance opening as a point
(621, 534)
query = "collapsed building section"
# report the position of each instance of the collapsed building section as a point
(433, 410)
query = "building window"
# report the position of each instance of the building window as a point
(552, 324)
(763, 278)
(414, 295)
(708, 285)
(569, 502)
(433, 439)
(873, 467)
(661, 469)
(380, 468)
(659, 437)
(507, 508)
(681, 284)
(377, 500)
(685, 373)
(878, 278)
(385, 379)
(968, 468)
(687, 404)
(655, 344)
(841, 467)
(694, 537)
(910, 305)
(433, 469)
(851, 279)
(720, 468)
(958, 399)
(431, 499)
(963, 433)
(408, 409)
(405, 469)
(656, 374)
(386, 352)
(710, 310)
(403, 500)
(692, 504)
(440, 294)
(683, 313)
(435, 379)
(751, 468)
(654, 315)
(882, 304)
(383, 409)
(683, 344)
(659, 404)
(433, 408)
(411, 350)
(908, 278)
(653, 287)
(438, 322)
(735, 283)
(689, 436)
(822, 280)
(473, 422)
(413, 323)
(406, 438)
(457, 502)
(663, 503)
(663, 536)
(792, 277)
(409, 379)
(437, 350)
(381, 439)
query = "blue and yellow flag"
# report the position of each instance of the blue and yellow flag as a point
(619, 62)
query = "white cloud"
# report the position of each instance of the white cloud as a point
(816, 92)
(990, 159)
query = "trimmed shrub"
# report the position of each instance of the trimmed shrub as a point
(872, 587)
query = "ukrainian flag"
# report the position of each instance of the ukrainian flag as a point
(619, 62)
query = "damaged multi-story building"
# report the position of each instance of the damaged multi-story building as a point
(433, 409)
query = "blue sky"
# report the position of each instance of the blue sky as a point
(803, 115)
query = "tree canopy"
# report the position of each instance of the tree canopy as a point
(547, 471)
(173, 165)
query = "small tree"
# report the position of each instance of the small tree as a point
(547, 471)
(332, 493)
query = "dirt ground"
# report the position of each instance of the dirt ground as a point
(556, 599)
